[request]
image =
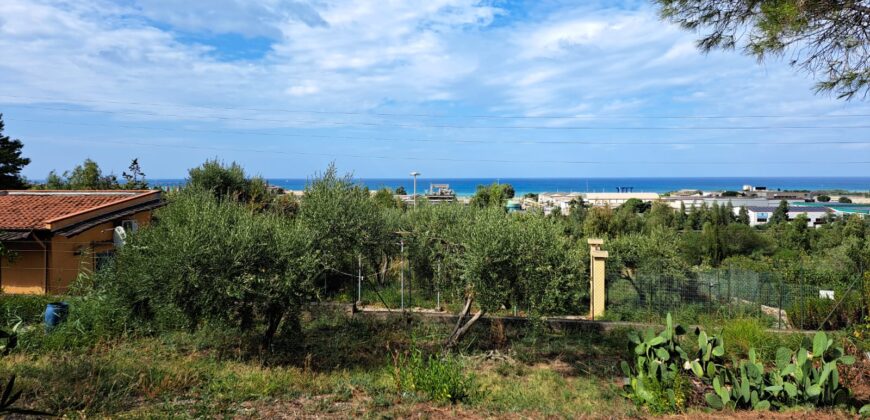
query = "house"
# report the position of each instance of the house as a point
(49, 237)
(759, 215)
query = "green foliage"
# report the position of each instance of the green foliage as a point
(780, 214)
(817, 313)
(657, 377)
(822, 35)
(844, 200)
(135, 178)
(495, 195)
(11, 161)
(440, 378)
(823, 198)
(87, 176)
(227, 182)
(204, 254)
(809, 375)
(345, 223)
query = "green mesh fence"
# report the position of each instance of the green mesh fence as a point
(733, 293)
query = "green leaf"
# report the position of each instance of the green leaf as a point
(715, 402)
(702, 341)
(655, 341)
(696, 368)
(774, 389)
(865, 410)
(814, 390)
(790, 389)
(663, 354)
(801, 357)
(783, 357)
(752, 354)
(762, 405)
(711, 369)
(820, 342)
(625, 369)
(719, 351)
(848, 360)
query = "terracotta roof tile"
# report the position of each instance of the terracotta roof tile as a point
(32, 209)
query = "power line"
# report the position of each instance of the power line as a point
(456, 126)
(442, 159)
(471, 141)
(429, 115)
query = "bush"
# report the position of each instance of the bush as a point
(812, 314)
(26, 308)
(439, 378)
(215, 260)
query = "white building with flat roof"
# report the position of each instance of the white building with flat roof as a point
(759, 215)
(618, 198)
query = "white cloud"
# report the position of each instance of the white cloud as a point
(415, 56)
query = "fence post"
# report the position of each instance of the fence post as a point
(781, 290)
(402, 271)
(359, 280)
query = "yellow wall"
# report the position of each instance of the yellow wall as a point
(67, 257)
(22, 269)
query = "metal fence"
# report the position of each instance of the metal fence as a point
(712, 295)
(733, 293)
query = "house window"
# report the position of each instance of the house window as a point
(130, 226)
(102, 259)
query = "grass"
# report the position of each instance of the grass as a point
(339, 366)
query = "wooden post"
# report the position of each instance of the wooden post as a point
(596, 278)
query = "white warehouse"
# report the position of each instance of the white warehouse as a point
(759, 215)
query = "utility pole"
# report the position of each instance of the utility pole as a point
(415, 174)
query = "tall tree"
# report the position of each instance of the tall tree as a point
(780, 215)
(135, 177)
(11, 161)
(826, 38)
(743, 217)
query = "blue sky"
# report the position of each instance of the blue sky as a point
(450, 88)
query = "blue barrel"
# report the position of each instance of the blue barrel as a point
(55, 313)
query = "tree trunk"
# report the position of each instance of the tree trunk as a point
(273, 320)
(460, 329)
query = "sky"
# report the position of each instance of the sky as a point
(449, 88)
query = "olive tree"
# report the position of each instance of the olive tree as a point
(346, 224)
(507, 259)
(216, 260)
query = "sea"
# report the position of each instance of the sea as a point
(467, 186)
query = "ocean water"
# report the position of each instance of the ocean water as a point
(467, 186)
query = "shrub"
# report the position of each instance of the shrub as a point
(813, 313)
(439, 378)
(809, 375)
(215, 260)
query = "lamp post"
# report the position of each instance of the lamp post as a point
(415, 174)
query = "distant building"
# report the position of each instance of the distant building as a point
(761, 215)
(440, 193)
(617, 199)
(550, 201)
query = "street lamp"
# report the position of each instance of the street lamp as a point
(415, 174)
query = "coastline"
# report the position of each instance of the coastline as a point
(465, 187)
